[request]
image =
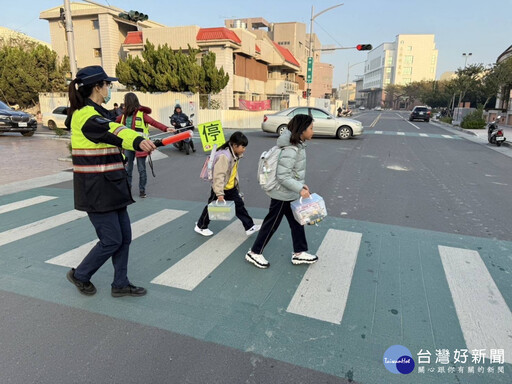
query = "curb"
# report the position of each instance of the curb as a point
(468, 132)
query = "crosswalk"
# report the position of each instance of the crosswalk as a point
(322, 294)
(413, 134)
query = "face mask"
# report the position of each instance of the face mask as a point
(109, 95)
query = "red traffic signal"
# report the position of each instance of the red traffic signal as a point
(364, 47)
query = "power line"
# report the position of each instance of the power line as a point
(339, 44)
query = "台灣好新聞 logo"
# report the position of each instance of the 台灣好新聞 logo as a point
(398, 359)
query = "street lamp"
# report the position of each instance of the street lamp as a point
(466, 55)
(348, 72)
(311, 43)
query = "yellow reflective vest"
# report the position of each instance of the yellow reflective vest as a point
(99, 177)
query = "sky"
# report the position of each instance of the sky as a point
(460, 26)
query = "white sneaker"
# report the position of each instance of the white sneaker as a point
(204, 232)
(304, 258)
(253, 229)
(257, 259)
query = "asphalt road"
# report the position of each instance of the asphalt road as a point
(407, 190)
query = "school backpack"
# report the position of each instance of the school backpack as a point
(267, 167)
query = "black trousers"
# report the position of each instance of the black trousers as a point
(240, 211)
(277, 210)
(115, 234)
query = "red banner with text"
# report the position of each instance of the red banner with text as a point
(254, 105)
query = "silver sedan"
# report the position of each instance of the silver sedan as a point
(324, 123)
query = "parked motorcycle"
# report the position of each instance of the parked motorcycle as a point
(186, 144)
(494, 133)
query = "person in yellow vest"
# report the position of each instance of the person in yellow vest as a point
(137, 118)
(225, 184)
(99, 179)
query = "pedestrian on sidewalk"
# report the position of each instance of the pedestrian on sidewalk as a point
(291, 175)
(137, 118)
(225, 184)
(99, 179)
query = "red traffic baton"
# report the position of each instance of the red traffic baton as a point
(173, 139)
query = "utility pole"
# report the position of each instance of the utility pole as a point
(348, 72)
(70, 38)
(311, 53)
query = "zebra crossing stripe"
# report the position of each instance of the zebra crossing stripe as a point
(25, 203)
(190, 271)
(37, 182)
(378, 132)
(75, 256)
(322, 294)
(484, 316)
(39, 226)
(447, 136)
(400, 133)
(423, 135)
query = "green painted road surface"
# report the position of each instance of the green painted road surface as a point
(374, 286)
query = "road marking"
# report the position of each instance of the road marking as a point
(37, 182)
(447, 136)
(423, 135)
(25, 203)
(190, 271)
(400, 133)
(375, 121)
(39, 226)
(484, 316)
(75, 256)
(378, 132)
(414, 125)
(322, 294)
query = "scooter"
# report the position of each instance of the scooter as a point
(186, 144)
(495, 133)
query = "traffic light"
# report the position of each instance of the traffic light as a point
(364, 47)
(133, 16)
(304, 94)
(308, 92)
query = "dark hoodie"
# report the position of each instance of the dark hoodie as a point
(178, 118)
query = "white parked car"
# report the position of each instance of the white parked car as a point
(56, 119)
(324, 124)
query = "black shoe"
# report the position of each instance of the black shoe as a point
(143, 194)
(87, 289)
(129, 290)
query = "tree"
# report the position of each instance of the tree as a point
(468, 78)
(29, 69)
(394, 93)
(498, 76)
(163, 69)
(213, 80)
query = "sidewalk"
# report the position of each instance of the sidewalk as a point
(482, 133)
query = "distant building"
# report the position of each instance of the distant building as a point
(408, 59)
(449, 75)
(347, 93)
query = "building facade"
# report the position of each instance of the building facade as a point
(101, 34)
(263, 60)
(408, 59)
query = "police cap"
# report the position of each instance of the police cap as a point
(92, 75)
